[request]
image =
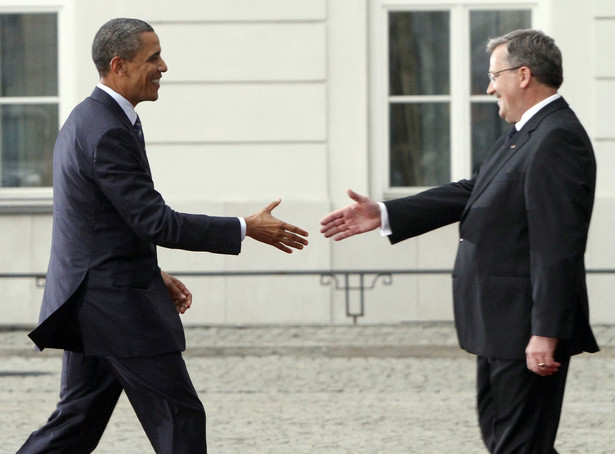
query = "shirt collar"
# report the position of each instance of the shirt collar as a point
(128, 108)
(529, 113)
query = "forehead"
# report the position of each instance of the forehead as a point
(498, 57)
(150, 44)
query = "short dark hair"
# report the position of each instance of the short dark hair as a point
(534, 49)
(117, 38)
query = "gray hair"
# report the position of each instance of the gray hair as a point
(117, 38)
(534, 49)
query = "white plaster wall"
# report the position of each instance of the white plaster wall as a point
(270, 98)
(25, 243)
(594, 51)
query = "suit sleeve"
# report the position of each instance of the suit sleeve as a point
(559, 194)
(121, 172)
(417, 214)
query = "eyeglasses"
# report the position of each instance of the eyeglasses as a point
(493, 75)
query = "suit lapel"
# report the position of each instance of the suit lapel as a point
(502, 154)
(101, 96)
(495, 163)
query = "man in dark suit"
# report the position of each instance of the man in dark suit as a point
(520, 298)
(106, 301)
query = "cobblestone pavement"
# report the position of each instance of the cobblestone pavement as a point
(390, 389)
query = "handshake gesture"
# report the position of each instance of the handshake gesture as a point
(264, 227)
(359, 217)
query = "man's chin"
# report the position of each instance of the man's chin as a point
(153, 97)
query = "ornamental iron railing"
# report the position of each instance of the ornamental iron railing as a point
(352, 282)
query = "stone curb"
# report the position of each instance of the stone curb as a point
(416, 340)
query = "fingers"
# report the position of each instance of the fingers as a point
(539, 355)
(297, 231)
(266, 228)
(338, 214)
(343, 235)
(182, 298)
(289, 227)
(544, 367)
(181, 308)
(185, 296)
(180, 303)
(331, 218)
(289, 238)
(361, 216)
(332, 226)
(283, 248)
(542, 364)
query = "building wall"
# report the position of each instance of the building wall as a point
(270, 98)
(591, 81)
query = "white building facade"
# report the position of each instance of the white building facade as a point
(297, 99)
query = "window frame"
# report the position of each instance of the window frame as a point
(39, 200)
(460, 97)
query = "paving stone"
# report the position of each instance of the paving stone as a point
(390, 389)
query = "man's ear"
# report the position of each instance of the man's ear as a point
(526, 76)
(117, 66)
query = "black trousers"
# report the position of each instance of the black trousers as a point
(158, 388)
(519, 411)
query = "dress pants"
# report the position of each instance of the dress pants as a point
(518, 410)
(158, 388)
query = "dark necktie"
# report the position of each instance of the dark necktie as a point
(511, 132)
(494, 161)
(139, 131)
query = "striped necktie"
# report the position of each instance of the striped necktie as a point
(139, 131)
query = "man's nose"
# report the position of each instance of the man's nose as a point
(490, 89)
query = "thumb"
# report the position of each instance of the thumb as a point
(272, 205)
(356, 196)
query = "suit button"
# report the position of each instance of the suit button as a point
(461, 240)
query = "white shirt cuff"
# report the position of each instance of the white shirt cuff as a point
(242, 222)
(385, 226)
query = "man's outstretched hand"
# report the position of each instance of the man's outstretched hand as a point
(263, 227)
(359, 217)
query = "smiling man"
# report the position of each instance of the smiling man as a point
(520, 298)
(107, 304)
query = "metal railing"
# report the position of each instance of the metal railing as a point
(340, 280)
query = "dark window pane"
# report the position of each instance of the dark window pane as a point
(28, 55)
(420, 144)
(419, 53)
(28, 135)
(487, 126)
(483, 26)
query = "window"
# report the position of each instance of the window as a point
(438, 123)
(419, 97)
(486, 125)
(29, 102)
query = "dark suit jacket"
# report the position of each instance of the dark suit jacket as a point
(523, 228)
(104, 294)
